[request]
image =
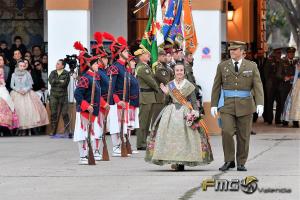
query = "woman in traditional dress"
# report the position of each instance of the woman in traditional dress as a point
(8, 117)
(29, 108)
(180, 138)
(292, 103)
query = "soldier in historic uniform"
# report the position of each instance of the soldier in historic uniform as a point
(82, 95)
(117, 70)
(161, 75)
(236, 82)
(134, 103)
(99, 51)
(59, 80)
(285, 74)
(148, 88)
(271, 86)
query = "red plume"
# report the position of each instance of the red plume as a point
(121, 40)
(108, 36)
(78, 46)
(98, 37)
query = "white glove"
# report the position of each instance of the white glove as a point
(214, 111)
(260, 110)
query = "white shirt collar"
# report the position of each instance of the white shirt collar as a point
(239, 62)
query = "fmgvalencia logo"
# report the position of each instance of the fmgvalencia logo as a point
(248, 185)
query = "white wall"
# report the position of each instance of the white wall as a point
(208, 29)
(64, 28)
(109, 16)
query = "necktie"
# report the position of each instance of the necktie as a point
(236, 68)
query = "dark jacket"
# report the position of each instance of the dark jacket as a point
(59, 84)
(38, 82)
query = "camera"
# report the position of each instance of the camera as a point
(71, 60)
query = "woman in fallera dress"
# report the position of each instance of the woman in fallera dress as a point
(8, 117)
(180, 138)
(292, 103)
(29, 108)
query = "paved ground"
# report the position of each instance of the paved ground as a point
(42, 168)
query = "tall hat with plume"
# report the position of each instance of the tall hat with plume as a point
(83, 57)
(118, 45)
(98, 48)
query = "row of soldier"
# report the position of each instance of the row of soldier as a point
(277, 75)
(121, 97)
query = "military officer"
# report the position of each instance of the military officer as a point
(271, 85)
(161, 75)
(285, 74)
(237, 83)
(148, 88)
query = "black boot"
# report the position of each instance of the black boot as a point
(227, 166)
(241, 168)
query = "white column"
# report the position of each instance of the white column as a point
(208, 26)
(64, 28)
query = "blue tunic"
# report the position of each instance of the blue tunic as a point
(83, 93)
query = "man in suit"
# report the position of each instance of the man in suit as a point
(237, 83)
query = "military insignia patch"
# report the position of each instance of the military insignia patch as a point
(147, 71)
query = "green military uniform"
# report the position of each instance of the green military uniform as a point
(271, 86)
(162, 75)
(236, 114)
(59, 97)
(148, 88)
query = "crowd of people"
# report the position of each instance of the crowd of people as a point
(23, 83)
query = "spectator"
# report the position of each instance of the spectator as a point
(4, 49)
(45, 62)
(28, 66)
(17, 56)
(37, 53)
(18, 44)
(3, 65)
(28, 56)
(44, 73)
(36, 73)
(34, 113)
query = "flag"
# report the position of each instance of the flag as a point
(159, 24)
(175, 34)
(189, 32)
(153, 32)
(169, 18)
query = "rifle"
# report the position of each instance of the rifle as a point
(91, 159)
(105, 156)
(128, 145)
(123, 147)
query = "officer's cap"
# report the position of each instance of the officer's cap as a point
(140, 52)
(236, 45)
(161, 51)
